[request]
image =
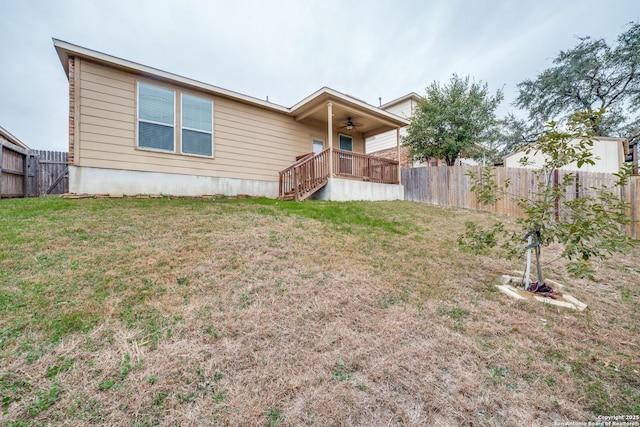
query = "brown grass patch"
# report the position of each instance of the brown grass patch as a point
(252, 312)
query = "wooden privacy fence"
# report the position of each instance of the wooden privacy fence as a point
(30, 173)
(451, 186)
(14, 166)
(52, 172)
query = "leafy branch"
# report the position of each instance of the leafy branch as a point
(589, 226)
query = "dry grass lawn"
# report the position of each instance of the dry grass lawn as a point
(140, 312)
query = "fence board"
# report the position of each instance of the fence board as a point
(12, 170)
(450, 186)
(28, 173)
(51, 164)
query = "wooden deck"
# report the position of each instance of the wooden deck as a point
(311, 172)
(347, 164)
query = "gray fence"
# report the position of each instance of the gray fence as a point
(52, 175)
(31, 173)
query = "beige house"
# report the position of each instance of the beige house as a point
(609, 156)
(134, 129)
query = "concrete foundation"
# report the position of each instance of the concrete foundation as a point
(342, 190)
(98, 180)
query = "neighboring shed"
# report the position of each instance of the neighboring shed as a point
(609, 156)
(5, 136)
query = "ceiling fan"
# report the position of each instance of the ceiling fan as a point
(349, 124)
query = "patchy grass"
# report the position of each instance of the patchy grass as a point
(259, 312)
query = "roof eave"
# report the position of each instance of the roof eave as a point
(12, 139)
(66, 49)
(330, 93)
(411, 95)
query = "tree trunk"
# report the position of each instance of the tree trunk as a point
(539, 267)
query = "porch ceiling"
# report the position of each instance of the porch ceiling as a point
(368, 120)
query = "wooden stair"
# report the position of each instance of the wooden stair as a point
(302, 195)
(305, 177)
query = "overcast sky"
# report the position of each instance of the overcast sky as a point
(289, 49)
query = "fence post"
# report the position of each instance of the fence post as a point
(33, 174)
(25, 175)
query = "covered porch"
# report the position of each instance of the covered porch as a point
(338, 154)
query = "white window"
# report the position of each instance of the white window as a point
(156, 117)
(197, 126)
(346, 142)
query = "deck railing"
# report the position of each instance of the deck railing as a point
(348, 164)
(311, 172)
(306, 176)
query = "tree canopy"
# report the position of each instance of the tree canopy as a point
(591, 76)
(451, 119)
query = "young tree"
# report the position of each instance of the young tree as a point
(591, 76)
(588, 226)
(451, 119)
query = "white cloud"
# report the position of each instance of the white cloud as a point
(287, 49)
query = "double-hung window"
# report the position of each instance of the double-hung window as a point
(197, 125)
(156, 117)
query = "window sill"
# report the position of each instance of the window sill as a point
(174, 153)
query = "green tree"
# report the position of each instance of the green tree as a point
(451, 119)
(589, 77)
(508, 136)
(589, 226)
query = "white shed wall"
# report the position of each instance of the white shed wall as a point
(608, 156)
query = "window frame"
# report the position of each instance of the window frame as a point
(138, 119)
(346, 162)
(340, 142)
(182, 127)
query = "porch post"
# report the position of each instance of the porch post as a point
(398, 151)
(330, 136)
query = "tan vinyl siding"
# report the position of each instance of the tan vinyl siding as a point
(402, 109)
(387, 140)
(248, 142)
(384, 141)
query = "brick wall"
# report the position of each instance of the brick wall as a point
(72, 108)
(392, 154)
